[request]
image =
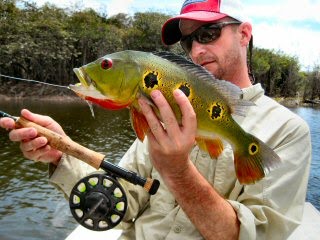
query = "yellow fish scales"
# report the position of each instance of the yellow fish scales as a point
(117, 80)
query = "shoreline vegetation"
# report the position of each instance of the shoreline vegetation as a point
(46, 43)
(11, 90)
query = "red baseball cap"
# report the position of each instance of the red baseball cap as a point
(203, 11)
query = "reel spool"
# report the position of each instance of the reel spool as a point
(98, 202)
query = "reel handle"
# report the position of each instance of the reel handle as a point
(94, 159)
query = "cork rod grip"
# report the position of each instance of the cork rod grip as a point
(94, 159)
(65, 144)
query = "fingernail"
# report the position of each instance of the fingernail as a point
(42, 141)
(155, 93)
(25, 113)
(32, 132)
(177, 92)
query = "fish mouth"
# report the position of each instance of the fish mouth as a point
(87, 90)
(83, 77)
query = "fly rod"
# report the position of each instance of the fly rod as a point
(94, 159)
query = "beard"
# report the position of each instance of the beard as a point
(224, 67)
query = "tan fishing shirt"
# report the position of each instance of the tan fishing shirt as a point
(269, 209)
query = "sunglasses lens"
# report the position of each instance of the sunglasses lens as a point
(186, 44)
(208, 35)
(202, 35)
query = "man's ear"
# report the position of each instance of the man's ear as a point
(245, 30)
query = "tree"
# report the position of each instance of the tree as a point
(312, 86)
(145, 34)
(46, 43)
(277, 72)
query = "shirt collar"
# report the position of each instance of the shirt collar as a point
(252, 92)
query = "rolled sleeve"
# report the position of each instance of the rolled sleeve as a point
(272, 208)
(67, 173)
(246, 219)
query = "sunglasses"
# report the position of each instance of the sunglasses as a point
(204, 34)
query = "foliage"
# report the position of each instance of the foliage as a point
(277, 72)
(46, 43)
(312, 86)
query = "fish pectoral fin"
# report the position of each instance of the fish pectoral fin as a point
(213, 146)
(139, 123)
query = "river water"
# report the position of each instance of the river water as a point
(30, 208)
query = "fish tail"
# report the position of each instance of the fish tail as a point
(254, 160)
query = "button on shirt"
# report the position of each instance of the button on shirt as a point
(269, 209)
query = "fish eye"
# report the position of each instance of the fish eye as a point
(106, 64)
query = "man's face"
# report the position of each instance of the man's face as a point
(220, 56)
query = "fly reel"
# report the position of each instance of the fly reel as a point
(98, 202)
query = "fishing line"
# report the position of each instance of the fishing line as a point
(49, 84)
(34, 81)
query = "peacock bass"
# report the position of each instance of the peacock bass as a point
(117, 80)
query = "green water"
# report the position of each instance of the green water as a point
(30, 208)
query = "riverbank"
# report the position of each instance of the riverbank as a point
(56, 98)
(69, 96)
(12, 91)
(296, 102)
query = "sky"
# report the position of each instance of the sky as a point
(291, 26)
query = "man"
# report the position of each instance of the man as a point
(200, 197)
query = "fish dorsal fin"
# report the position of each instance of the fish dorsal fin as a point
(232, 93)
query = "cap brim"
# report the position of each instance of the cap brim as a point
(171, 32)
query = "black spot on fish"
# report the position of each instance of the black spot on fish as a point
(253, 148)
(150, 80)
(185, 89)
(216, 111)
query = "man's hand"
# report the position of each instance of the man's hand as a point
(169, 148)
(34, 147)
(170, 144)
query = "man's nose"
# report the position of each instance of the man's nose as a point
(197, 49)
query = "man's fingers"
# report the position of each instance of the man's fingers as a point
(189, 119)
(167, 115)
(36, 118)
(153, 122)
(39, 155)
(7, 123)
(33, 144)
(21, 134)
(44, 121)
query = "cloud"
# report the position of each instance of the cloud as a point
(290, 26)
(300, 42)
(118, 6)
(288, 11)
(110, 7)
